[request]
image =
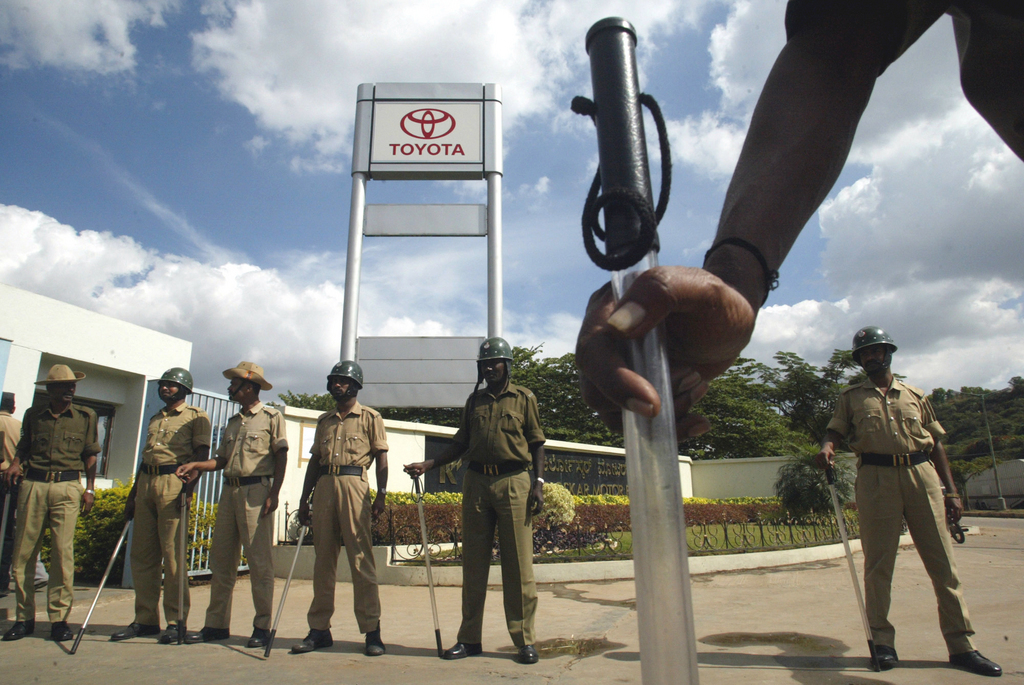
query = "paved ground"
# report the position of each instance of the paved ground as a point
(795, 624)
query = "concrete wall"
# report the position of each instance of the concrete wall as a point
(117, 358)
(725, 478)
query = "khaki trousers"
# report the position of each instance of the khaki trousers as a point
(501, 502)
(239, 526)
(156, 548)
(41, 506)
(341, 513)
(887, 495)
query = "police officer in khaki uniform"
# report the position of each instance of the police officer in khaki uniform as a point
(253, 454)
(177, 434)
(347, 440)
(58, 442)
(10, 432)
(901, 471)
(499, 437)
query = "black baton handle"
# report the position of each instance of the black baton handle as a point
(621, 144)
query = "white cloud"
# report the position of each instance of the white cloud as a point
(288, 319)
(77, 35)
(295, 65)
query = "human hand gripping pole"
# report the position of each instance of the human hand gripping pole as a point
(426, 555)
(830, 476)
(103, 582)
(284, 593)
(664, 609)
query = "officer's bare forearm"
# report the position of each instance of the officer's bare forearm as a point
(450, 454)
(280, 466)
(90, 472)
(382, 471)
(201, 453)
(537, 452)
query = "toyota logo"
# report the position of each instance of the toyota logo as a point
(427, 124)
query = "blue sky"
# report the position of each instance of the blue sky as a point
(185, 165)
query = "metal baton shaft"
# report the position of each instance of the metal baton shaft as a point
(668, 645)
(7, 494)
(284, 593)
(426, 556)
(182, 564)
(830, 476)
(103, 582)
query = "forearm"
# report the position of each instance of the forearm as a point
(382, 472)
(450, 454)
(537, 452)
(280, 466)
(311, 478)
(90, 472)
(832, 440)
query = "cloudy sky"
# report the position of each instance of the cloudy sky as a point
(185, 165)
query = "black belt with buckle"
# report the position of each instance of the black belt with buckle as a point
(873, 459)
(501, 469)
(52, 476)
(244, 480)
(341, 470)
(155, 470)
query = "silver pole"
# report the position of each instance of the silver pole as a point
(426, 556)
(1000, 501)
(830, 476)
(182, 565)
(353, 266)
(7, 493)
(494, 278)
(110, 565)
(284, 593)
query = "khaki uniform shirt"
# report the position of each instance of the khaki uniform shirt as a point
(899, 422)
(175, 434)
(351, 440)
(58, 443)
(250, 440)
(10, 433)
(500, 428)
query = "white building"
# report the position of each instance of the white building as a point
(118, 358)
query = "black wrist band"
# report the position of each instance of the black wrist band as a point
(771, 276)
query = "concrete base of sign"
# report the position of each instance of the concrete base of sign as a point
(584, 571)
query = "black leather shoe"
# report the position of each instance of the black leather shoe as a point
(169, 636)
(59, 632)
(19, 630)
(976, 663)
(317, 639)
(463, 649)
(260, 637)
(134, 630)
(887, 658)
(527, 655)
(207, 635)
(374, 645)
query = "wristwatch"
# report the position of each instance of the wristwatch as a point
(539, 480)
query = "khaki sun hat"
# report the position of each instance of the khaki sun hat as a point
(61, 373)
(249, 372)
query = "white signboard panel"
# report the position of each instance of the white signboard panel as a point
(427, 133)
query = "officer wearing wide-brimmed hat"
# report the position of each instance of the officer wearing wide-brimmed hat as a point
(901, 471)
(253, 455)
(500, 438)
(177, 434)
(58, 443)
(348, 439)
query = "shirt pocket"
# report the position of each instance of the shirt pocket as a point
(255, 444)
(40, 442)
(912, 424)
(869, 421)
(512, 422)
(74, 443)
(356, 447)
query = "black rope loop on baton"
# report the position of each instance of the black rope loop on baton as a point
(650, 217)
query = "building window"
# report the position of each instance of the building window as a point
(104, 425)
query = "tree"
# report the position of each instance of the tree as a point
(806, 394)
(743, 424)
(802, 486)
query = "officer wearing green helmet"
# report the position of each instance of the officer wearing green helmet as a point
(901, 471)
(500, 438)
(177, 434)
(348, 439)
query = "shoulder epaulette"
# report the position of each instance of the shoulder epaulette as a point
(270, 410)
(921, 394)
(325, 415)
